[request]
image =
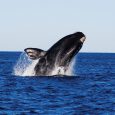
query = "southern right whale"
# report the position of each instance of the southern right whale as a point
(58, 56)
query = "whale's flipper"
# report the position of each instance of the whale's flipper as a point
(34, 53)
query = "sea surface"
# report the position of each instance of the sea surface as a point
(90, 92)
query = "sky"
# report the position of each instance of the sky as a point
(41, 23)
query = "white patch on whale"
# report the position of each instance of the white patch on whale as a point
(61, 70)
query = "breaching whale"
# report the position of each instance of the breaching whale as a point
(59, 56)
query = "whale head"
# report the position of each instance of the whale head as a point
(65, 49)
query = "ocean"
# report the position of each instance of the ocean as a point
(91, 91)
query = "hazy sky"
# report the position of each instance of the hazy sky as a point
(40, 23)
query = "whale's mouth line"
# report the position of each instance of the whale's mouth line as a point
(71, 50)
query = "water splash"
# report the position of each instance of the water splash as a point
(24, 66)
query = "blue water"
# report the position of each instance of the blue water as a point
(90, 92)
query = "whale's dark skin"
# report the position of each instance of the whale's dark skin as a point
(59, 55)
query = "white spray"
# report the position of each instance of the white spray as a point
(25, 66)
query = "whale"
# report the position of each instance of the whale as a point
(59, 56)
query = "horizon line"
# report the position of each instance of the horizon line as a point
(79, 52)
